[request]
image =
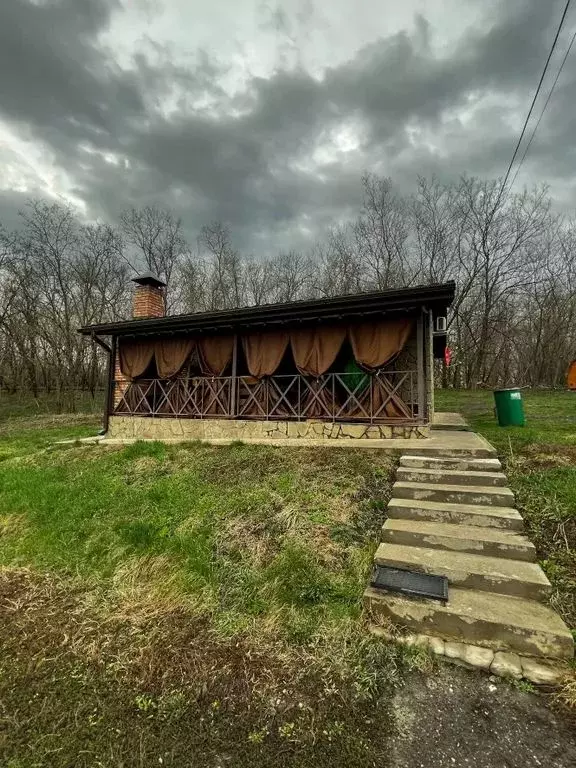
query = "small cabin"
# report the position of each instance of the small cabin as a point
(351, 367)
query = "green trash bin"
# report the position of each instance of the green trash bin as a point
(509, 407)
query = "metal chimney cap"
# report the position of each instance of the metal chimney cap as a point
(147, 278)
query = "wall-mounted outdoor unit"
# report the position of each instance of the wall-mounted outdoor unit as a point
(441, 324)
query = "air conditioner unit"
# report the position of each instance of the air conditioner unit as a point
(441, 324)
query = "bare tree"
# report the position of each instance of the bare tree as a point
(225, 287)
(381, 233)
(154, 238)
(292, 276)
(339, 265)
(259, 281)
(513, 260)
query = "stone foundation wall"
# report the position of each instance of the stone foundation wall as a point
(130, 427)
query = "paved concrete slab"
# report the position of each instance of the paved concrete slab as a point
(490, 620)
(478, 572)
(440, 443)
(494, 542)
(447, 420)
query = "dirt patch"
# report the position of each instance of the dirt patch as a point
(544, 456)
(461, 719)
(82, 686)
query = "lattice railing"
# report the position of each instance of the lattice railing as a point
(383, 397)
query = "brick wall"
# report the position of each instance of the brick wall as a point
(148, 302)
(121, 382)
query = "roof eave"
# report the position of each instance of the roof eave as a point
(437, 297)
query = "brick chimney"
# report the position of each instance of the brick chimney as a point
(148, 300)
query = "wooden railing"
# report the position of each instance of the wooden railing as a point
(382, 397)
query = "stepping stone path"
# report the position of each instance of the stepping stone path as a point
(454, 516)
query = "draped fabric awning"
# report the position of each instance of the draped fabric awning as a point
(135, 357)
(215, 354)
(314, 350)
(264, 351)
(169, 354)
(376, 344)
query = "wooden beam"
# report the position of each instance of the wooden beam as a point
(109, 400)
(101, 343)
(421, 368)
(234, 376)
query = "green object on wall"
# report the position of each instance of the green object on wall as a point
(509, 407)
(355, 379)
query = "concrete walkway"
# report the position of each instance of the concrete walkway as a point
(453, 515)
(440, 443)
(447, 420)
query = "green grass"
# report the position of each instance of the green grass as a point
(540, 459)
(24, 404)
(162, 602)
(249, 531)
(550, 416)
(25, 435)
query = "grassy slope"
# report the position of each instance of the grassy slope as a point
(161, 600)
(248, 531)
(540, 460)
(160, 604)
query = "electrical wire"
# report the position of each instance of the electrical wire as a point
(544, 108)
(536, 94)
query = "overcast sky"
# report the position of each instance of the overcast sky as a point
(265, 114)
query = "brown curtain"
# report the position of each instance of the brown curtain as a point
(315, 349)
(375, 344)
(135, 357)
(215, 354)
(171, 354)
(264, 351)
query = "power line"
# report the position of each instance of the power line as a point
(542, 76)
(544, 108)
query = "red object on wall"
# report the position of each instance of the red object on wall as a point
(447, 355)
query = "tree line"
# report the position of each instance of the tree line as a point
(511, 255)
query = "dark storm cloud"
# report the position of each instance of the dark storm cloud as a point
(52, 74)
(250, 160)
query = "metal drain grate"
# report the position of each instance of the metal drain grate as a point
(410, 582)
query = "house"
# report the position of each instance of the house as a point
(354, 367)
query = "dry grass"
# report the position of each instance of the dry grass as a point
(113, 688)
(251, 536)
(567, 694)
(189, 599)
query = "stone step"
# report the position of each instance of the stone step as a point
(451, 477)
(447, 444)
(449, 421)
(464, 514)
(493, 621)
(436, 462)
(492, 542)
(453, 494)
(478, 572)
